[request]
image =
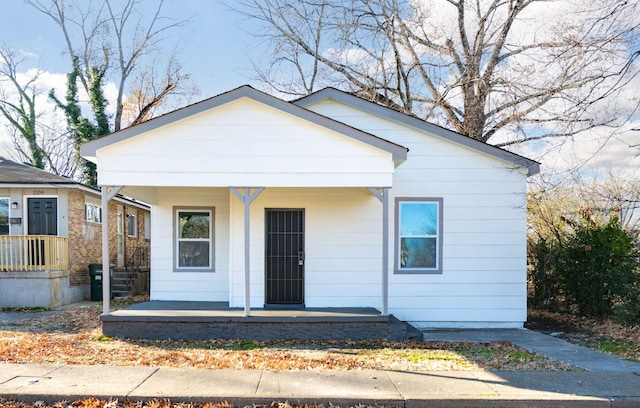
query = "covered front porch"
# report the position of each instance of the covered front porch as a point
(222, 191)
(158, 320)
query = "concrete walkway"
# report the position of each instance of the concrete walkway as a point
(610, 382)
(541, 344)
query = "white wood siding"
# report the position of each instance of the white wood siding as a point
(253, 145)
(483, 283)
(195, 286)
(342, 245)
(302, 165)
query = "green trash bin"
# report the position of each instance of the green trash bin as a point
(95, 273)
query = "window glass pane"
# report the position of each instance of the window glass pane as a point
(193, 253)
(131, 225)
(4, 216)
(418, 219)
(147, 226)
(193, 224)
(418, 253)
(419, 244)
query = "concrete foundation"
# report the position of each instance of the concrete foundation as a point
(158, 320)
(39, 289)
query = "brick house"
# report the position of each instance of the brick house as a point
(50, 231)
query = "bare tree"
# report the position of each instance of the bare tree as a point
(552, 211)
(21, 114)
(618, 195)
(59, 157)
(118, 40)
(504, 69)
(34, 139)
(147, 96)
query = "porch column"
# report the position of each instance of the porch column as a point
(247, 198)
(383, 196)
(107, 194)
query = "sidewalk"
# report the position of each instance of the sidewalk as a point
(52, 383)
(611, 383)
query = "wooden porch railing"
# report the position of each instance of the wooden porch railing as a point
(33, 253)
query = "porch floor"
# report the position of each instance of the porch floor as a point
(215, 320)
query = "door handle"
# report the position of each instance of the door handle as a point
(300, 258)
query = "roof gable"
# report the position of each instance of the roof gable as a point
(88, 150)
(245, 142)
(532, 166)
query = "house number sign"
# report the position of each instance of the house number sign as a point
(38, 192)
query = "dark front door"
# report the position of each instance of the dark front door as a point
(43, 220)
(284, 257)
(43, 216)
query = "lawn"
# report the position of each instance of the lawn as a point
(73, 337)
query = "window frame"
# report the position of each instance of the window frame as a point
(134, 217)
(398, 236)
(176, 239)
(8, 214)
(93, 213)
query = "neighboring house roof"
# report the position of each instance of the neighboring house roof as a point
(532, 166)
(88, 150)
(18, 174)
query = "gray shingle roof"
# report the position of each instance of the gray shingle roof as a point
(532, 166)
(17, 173)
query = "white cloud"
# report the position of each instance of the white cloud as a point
(596, 154)
(45, 108)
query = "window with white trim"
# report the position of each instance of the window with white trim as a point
(4, 216)
(93, 213)
(132, 225)
(418, 235)
(194, 239)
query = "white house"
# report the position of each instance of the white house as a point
(327, 201)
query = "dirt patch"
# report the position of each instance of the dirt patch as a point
(550, 325)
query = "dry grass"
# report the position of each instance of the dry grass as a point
(74, 337)
(92, 349)
(159, 403)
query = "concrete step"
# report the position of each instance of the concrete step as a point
(120, 283)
